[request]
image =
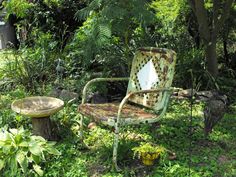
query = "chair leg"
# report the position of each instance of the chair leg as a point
(81, 128)
(84, 146)
(115, 147)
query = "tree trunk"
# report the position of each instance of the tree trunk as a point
(42, 127)
(226, 55)
(211, 58)
(209, 32)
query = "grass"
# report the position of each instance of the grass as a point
(4, 56)
(215, 156)
(196, 155)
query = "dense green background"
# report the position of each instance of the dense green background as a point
(98, 38)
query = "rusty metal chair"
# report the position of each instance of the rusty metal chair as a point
(149, 87)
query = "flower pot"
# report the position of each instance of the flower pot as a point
(149, 158)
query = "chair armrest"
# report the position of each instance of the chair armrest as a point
(126, 98)
(84, 94)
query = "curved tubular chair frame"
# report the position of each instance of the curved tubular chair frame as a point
(123, 102)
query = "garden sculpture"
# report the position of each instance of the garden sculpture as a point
(214, 111)
(60, 69)
(148, 91)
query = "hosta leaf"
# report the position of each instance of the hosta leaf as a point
(35, 149)
(18, 138)
(2, 136)
(51, 143)
(24, 144)
(13, 166)
(53, 151)
(21, 130)
(34, 158)
(22, 160)
(38, 138)
(5, 136)
(2, 164)
(2, 143)
(13, 131)
(6, 148)
(38, 170)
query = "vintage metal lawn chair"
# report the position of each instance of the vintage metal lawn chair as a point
(149, 88)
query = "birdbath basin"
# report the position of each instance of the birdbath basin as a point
(39, 108)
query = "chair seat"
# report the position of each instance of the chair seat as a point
(107, 113)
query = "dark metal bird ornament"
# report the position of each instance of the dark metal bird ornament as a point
(214, 111)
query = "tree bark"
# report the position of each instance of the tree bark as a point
(226, 54)
(211, 58)
(203, 26)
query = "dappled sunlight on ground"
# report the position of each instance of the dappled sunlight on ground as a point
(214, 156)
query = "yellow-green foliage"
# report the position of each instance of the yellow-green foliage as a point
(166, 10)
(52, 2)
(18, 7)
(148, 148)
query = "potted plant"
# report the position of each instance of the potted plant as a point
(148, 152)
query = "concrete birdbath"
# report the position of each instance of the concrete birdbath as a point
(39, 108)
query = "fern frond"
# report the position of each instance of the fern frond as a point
(84, 13)
(102, 32)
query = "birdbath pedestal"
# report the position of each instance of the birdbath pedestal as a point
(39, 108)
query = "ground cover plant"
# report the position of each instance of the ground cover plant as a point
(19, 150)
(61, 45)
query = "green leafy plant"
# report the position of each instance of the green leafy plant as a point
(148, 152)
(148, 148)
(21, 153)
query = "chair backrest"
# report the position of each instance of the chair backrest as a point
(152, 68)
